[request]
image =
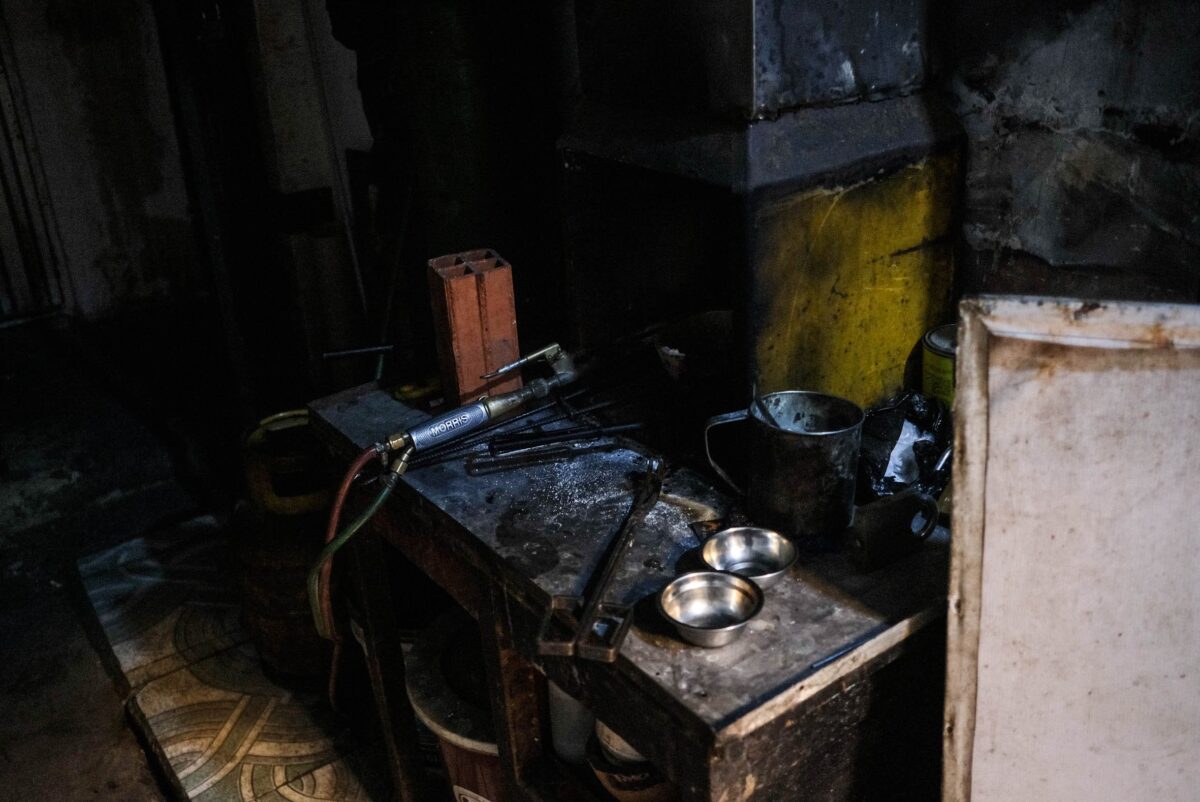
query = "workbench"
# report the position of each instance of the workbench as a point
(834, 692)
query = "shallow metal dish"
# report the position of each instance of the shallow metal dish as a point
(710, 608)
(760, 554)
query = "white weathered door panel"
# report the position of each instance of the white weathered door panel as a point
(1074, 640)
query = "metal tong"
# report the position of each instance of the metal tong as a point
(587, 626)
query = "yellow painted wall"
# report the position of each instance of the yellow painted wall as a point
(848, 279)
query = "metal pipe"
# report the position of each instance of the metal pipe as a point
(370, 349)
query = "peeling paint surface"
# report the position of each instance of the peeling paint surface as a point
(850, 278)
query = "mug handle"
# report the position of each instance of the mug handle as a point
(720, 420)
(884, 530)
(928, 508)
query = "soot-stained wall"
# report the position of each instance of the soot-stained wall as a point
(1083, 162)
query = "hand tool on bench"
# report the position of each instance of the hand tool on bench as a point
(501, 445)
(483, 464)
(588, 626)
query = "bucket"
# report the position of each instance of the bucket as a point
(628, 781)
(448, 692)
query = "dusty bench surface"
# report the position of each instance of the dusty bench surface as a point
(546, 526)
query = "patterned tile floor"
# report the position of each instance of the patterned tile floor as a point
(163, 600)
(222, 730)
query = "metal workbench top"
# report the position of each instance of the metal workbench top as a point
(546, 528)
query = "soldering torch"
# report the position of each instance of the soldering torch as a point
(398, 450)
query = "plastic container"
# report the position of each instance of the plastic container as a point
(629, 781)
(570, 725)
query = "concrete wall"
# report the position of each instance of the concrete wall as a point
(94, 82)
(1083, 122)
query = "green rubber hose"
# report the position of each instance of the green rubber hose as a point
(324, 627)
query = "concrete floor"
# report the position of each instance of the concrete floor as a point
(80, 470)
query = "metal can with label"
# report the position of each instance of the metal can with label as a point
(938, 348)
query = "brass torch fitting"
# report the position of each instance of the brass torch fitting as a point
(398, 442)
(399, 465)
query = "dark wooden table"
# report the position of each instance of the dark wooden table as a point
(835, 692)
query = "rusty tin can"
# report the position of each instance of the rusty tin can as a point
(938, 348)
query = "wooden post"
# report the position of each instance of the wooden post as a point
(475, 317)
(385, 667)
(518, 696)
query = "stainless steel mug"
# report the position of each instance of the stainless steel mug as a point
(803, 461)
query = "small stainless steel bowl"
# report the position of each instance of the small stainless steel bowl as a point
(710, 608)
(763, 555)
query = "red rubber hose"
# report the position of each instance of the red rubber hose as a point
(335, 514)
